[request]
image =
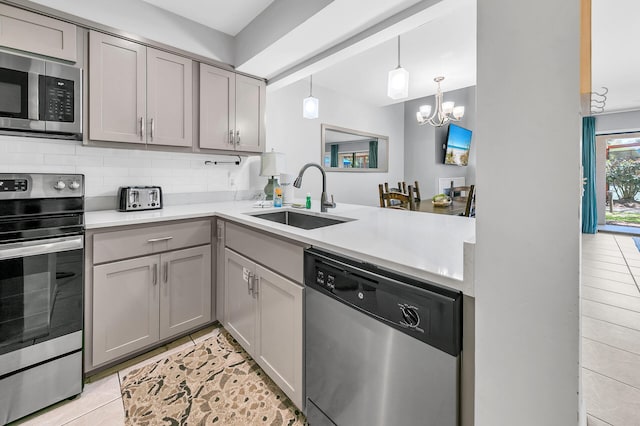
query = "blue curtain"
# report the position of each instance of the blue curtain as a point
(589, 208)
(373, 154)
(334, 155)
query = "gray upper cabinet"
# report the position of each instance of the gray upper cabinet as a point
(169, 99)
(250, 105)
(232, 109)
(138, 94)
(31, 32)
(217, 108)
(117, 92)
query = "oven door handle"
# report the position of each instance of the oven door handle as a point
(34, 248)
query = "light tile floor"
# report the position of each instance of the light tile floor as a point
(611, 329)
(100, 403)
(610, 347)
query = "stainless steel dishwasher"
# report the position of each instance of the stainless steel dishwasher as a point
(380, 348)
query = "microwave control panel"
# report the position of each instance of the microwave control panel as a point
(56, 99)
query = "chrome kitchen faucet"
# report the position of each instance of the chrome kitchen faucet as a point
(324, 203)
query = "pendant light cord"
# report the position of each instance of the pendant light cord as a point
(311, 85)
(398, 51)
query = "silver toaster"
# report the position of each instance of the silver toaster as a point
(134, 198)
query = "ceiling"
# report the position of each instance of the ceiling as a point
(216, 14)
(614, 52)
(445, 46)
(360, 69)
(349, 46)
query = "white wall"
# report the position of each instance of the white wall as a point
(528, 250)
(106, 169)
(423, 153)
(618, 122)
(299, 138)
(142, 19)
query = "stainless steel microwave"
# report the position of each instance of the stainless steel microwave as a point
(40, 98)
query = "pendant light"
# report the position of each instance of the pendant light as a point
(310, 105)
(398, 82)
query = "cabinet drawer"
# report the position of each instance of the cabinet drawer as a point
(35, 33)
(110, 246)
(279, 255)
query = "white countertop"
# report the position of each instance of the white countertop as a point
(434, 247)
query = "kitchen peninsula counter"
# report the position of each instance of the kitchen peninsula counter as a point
(432, 247)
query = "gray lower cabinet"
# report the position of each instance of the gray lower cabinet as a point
(240, 305)
(126, 307)
(185, 290)
(263, 311)
(140, 301)
(279, 334)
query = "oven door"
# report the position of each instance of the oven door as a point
(19, 92)
(40, 293)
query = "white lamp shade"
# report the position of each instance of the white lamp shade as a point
(425, 110)
(447, 107)
(272, 163)
(419, 117)
(310, 107)
(458, 112)
(398, 83)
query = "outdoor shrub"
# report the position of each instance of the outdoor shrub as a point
(624, 175)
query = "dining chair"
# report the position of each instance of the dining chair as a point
(416, 189)
(467, 195)
(403, 201)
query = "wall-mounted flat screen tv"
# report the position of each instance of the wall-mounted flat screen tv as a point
(458, 143)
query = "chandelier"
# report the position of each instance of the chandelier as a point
(445, 111)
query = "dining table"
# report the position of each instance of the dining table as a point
(455, 208)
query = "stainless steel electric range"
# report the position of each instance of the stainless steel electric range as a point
(41, 284)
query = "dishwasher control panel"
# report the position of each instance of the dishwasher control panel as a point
(432, 315)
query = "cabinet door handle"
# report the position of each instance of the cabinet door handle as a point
(141, 128)
(255, 285)
(249, 283)
(237, 137)
(231, 142)
(155, 240)
(155, 274)
(153, 127)
(166, 272)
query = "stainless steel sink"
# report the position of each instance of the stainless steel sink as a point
(300, 220)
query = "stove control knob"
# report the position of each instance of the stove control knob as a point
(59, 185)
(74, 185)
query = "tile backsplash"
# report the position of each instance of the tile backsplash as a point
(106, 169)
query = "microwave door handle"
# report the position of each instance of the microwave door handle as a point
(34, 93)
(34, 248)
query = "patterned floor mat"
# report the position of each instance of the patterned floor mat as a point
(214, 383)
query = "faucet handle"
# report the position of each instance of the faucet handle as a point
(332, 203)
